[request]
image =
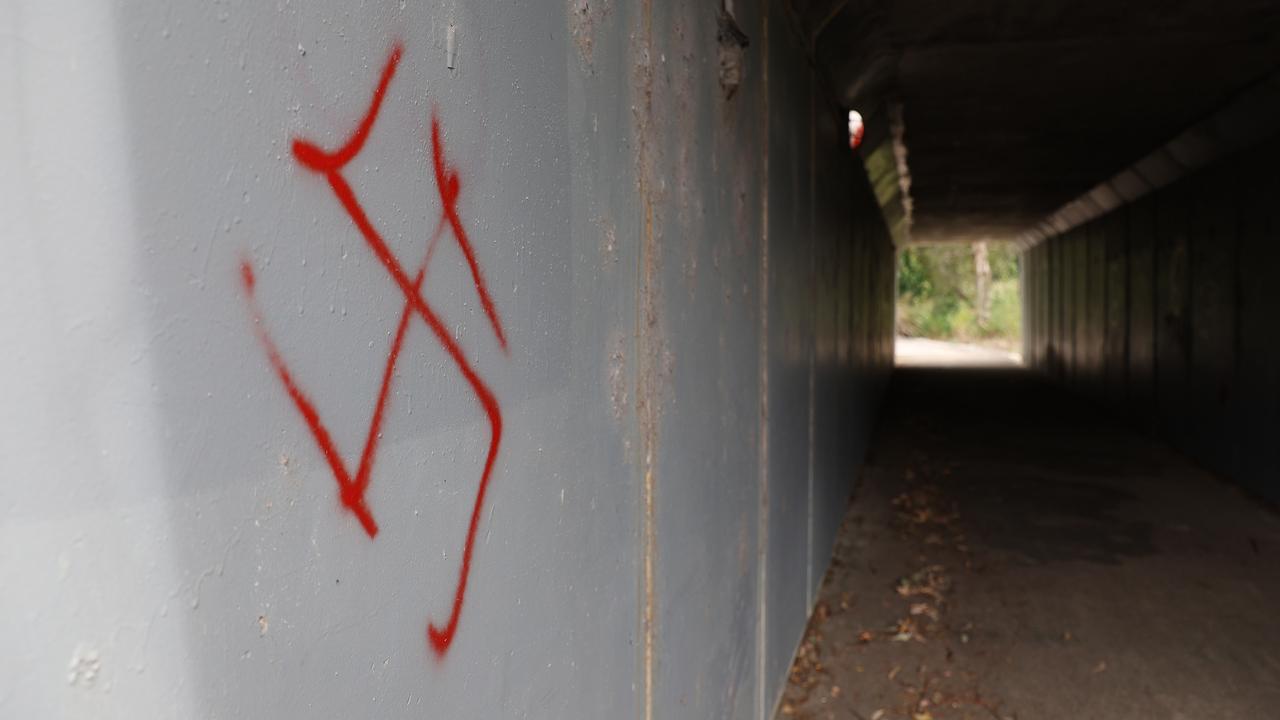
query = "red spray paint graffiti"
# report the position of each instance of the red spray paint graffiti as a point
(352, 487)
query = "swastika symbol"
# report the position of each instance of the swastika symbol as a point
(352, 486)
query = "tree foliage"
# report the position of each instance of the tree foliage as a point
(937, 292)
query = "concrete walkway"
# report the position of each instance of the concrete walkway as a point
(923, 352)
(1011, 554)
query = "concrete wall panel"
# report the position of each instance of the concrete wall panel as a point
(1213, 314)
(1081, 346)
(1256, 453)
(1047, 284)
(702, 353)
(838, 432)
(1096, 308)
(791, 348)
(1060, 311)
(1188, 340)
(508, 410)
(1173, 296)
(1115, 345)
(1141, 325)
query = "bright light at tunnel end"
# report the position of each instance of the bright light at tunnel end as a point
(856, 129)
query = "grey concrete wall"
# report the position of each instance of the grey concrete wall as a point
(691, 322)
(1170, 307)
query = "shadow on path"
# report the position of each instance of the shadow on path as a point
(1011, 553)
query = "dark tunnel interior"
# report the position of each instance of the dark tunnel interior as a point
(1129, 150)
(1094, 534)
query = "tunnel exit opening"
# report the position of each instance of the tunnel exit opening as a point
(958, 304)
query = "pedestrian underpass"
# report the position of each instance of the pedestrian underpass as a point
(491, 360)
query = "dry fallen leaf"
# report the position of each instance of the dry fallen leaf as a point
(928, 581)
(906, 631)
(877, 714)
(1102, 665)
(924, 609)
(822, 611)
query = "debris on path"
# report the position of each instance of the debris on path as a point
(1012, 555)
(896, 630)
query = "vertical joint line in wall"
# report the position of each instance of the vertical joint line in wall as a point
(646, 368)
(649, 550)
(809, 558)
(1128, 299)
(813, 337)
(649, 438)
(648, 431)
(1188, 317)
(1100, 355)
(1238, 297)
(1188, 297)
(1153, 235)
(762, 477)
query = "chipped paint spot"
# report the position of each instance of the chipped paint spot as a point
(584, 17)
(608, 244)
(618, 396)
(84, 668)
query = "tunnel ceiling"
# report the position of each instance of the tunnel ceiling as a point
(1013, 108)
